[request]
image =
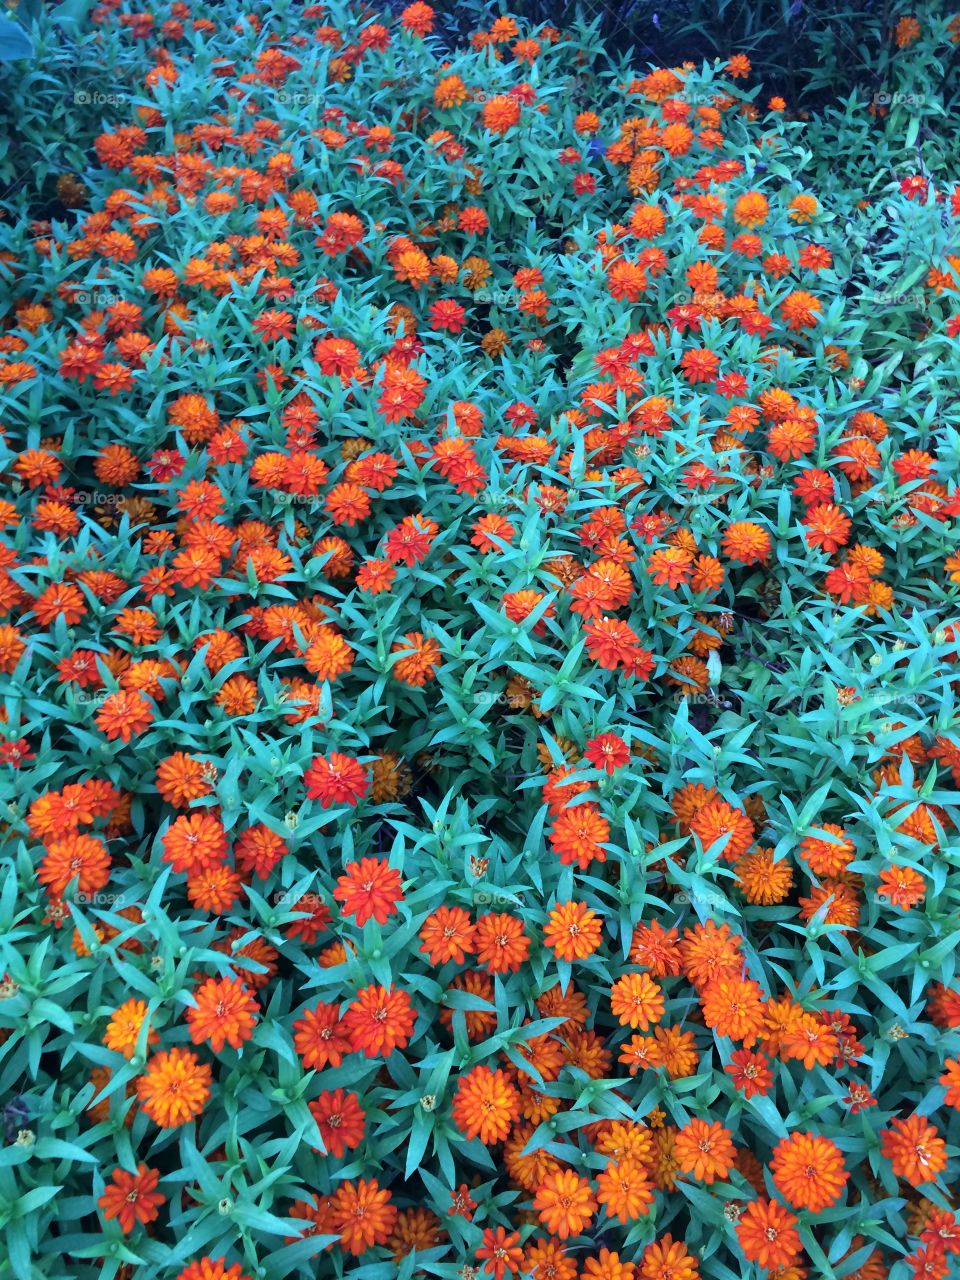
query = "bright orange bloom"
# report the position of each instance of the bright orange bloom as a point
(500, 942)
(577, 835)
(320, 1038)
(951, 1082)
(123, 1029)
(340, 1119)
(447, 934)
(718, 821)
(500, 1252)
(704, 1149)
(902, 887)
(124, 714)
(746, 542)
(132, 1197)
(486, 1105)
(915, 1150)
(210, 1269)
(369, 889)
(734, 1007)
(625, 1190)
(767, 1234)
(182, 778)
(174, 1088)
(573, 931)
(565, 1203)
(379, 1021)
(225, 1013)
(195, 842)
(637, 1001)
(362, 1215)
(808, 1171)
(421, 657)
(76, 857)
(336, 779)
(501, 113)
(667, 1259)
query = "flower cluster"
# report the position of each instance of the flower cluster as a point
(478, 622)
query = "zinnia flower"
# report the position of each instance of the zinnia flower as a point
(808, 1171)
(767, 1234)
(336, 779)
(379, 1021)
(224, 1013)
(369, 889)
(565, 1203)
(485, 1105)
(132, 1197)
(174, 1088)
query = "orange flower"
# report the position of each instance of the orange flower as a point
(379, 1021)
(132, 1197)
(195, 842)
(75, 857)
(182, 778)
(447, 934)
(565, 1203)
(485, 1105)
(362, 1215)
(800, 309)
(224, 1013)
(902, 886)
(124, 714)
(637, 1001)
(827, 527)
(746, 542)
(625, 1190)
(808, 1040)
(577, 835)
(915, 1150)
(826, 857)
(951, 1082)
(208, 1269)
(767, 1234)
(733, 1007)
(751, 210)
(667, 1259)
(320, 1038)
(573, 931)
(340, 1119)
(369, 889)
(336, 779)
(123, 1029)
(500, 942)
(808, 1171)
(175, 1087)
(501, 113)
(704, 1149)
(718, 821)
(421, 657)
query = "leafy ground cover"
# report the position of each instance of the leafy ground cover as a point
(480, 611)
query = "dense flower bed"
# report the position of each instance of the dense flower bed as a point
(480, 596)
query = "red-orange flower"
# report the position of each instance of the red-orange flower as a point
(379, 1021)
(225, 1013)
(132, 1197)
(336, 779)
(767, 1234)
(565, 1203)
(362, 1215)
(704, 1149)
(369, 889)
(808, 1171)
(915, 1150)
(485, 1105)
